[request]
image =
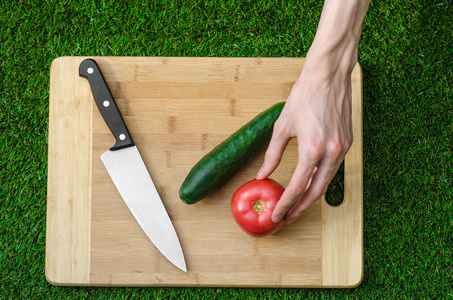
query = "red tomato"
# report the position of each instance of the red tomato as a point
(252, 205)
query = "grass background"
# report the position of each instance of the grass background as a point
(407, 59)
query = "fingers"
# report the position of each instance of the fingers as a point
(274, 153)
(327, 168)
(296, 188)
(317, 188)
(303, 190)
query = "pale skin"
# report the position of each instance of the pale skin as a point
(318, 110)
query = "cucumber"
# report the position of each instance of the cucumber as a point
(214, 170)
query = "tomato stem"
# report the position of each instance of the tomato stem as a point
(259, 206)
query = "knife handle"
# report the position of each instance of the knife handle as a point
(106, 104)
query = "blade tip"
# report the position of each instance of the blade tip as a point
(183, 268)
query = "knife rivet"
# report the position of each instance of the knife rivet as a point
(122, 137)
(106, 103)
(90, 70)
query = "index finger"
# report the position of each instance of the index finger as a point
(294, 191)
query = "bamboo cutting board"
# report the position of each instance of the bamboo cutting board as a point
(177, 110)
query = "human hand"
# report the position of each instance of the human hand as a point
(317, 113)
(318, 109)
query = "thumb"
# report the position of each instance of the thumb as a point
(273, 156)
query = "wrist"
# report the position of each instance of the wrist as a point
(332, 58)
(334, 48)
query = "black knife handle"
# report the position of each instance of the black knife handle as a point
(106, 104)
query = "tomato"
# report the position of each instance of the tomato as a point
(252, 205)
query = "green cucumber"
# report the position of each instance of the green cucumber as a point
(214, 170)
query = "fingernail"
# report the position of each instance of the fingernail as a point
(290, 221)
(260, 173)
(276, 219)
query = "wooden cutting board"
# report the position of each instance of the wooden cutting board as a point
(178, 109)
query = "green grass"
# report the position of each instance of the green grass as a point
(407, 59)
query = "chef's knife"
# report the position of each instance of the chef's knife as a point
(129, 174)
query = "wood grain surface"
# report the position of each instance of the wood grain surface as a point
(177, 110)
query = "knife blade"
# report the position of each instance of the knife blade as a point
(129, 173)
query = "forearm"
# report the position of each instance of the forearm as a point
(334, 47)
(318, 109)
